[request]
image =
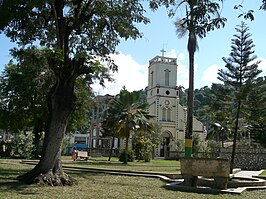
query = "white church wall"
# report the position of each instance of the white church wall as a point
(163, 100)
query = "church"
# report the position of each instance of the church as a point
(163, 100)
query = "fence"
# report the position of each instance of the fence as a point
(245, 158)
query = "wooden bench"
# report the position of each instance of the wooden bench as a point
(217, 168)
(83, 155)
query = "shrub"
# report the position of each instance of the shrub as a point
(143, 148)
(5, 149)
(66, 147)
(22, 145)
(130, 156)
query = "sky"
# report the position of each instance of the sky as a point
(134, 55)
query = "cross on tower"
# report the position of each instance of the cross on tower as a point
(163, 51)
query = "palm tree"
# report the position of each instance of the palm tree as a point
(133, 118)
(108, 126)
(126, 116)
(201, 17)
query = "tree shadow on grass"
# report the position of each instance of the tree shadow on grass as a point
(15, 186)
(8, 178)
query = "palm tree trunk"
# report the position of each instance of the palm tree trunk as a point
(189, 126)
(126, 151)
(127, 140)
(111, 149)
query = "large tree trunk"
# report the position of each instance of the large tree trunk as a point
(61, 103)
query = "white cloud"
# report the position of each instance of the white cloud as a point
(134, 76)
(182, 70)
(182, 75)
(130, 74)
(210, 74)
(262, 66)
(172, 53)
(181, 57)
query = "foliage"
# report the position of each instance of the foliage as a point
(258, 133)
(5, 148)
(201, 104)
(143, 147)
(66, 147)
(220, 113)
(249, 14)
(256, 112)
(110, 115)
(79, 120)
(240, 60)
(241, 72)
(180, 144)
(263, 6)
(22, 145)
(220, 102)
(24, 85)
(126, 116)
(127, 156)
(77, 35)
(213, 146)
(145, 142)
(198, 145)
(182, 94)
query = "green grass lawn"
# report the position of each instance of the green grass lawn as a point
(166, 166)
(97, 186)
(263, 173)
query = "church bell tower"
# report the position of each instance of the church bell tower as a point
(163, 100)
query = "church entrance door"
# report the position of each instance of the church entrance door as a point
(164, 147)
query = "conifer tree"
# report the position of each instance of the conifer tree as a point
(256, 112)
(241, 70)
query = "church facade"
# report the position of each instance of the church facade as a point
(163, 100)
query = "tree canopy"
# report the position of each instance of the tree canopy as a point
(76, 37)
(24, 85)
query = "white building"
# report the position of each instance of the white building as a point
(163, 100)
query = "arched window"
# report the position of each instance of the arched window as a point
(151, 78)
(166, 74)
(166, 114)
